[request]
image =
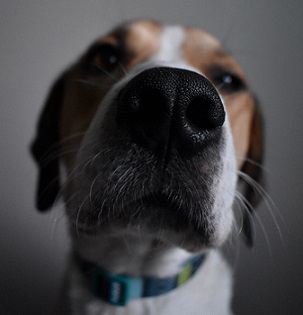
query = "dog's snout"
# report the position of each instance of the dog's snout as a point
(169, 107)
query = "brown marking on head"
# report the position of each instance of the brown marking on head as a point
(205, 53)
(81, 100)
(143, 39)
(84, 92)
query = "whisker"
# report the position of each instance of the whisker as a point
(67, 201)
(237, 230)
(78, 214)
(101, 211)
(268, 201)
(56, 218)
(91, 188)
(76, 171)
(226, 97)
(247, 206)
(239, 207)
(58, 153)
(122, 68)
(94, 84)
(57, 144)
(255, 163)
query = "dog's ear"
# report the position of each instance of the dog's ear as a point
(252, 174)
(45, 146)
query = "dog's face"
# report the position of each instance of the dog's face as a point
(152, 125)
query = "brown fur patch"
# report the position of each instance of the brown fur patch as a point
(202, 51)
(143, 39)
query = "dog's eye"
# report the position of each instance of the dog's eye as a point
(103, 58)
(227, 81)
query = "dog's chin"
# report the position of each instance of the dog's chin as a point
(157, 217)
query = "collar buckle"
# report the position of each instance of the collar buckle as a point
(114, 289)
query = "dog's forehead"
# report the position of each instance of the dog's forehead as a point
(147, 39)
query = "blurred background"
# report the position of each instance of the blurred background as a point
(40, 38)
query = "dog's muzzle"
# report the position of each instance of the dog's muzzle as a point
(160, 155)
(172, 107)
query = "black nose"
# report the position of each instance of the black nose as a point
(168, 108)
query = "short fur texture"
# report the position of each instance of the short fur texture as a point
(152, 127)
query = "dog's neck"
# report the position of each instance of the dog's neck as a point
(132, 255)
(141, 257)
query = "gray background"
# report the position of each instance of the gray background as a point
(40, 38)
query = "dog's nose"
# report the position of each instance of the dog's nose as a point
(167, 108)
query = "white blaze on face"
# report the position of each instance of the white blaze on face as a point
(171, 41)
(170, 53)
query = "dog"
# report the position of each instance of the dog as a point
(148, 137)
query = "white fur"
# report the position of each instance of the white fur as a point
(128, 252)
(172, 38)
(170, 51)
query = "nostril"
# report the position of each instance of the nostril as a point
(166, 108)
(204, 113)
(145, 110)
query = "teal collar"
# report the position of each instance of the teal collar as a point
(119, 289)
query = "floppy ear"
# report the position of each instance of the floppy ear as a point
(46, 141)
(252, 168)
